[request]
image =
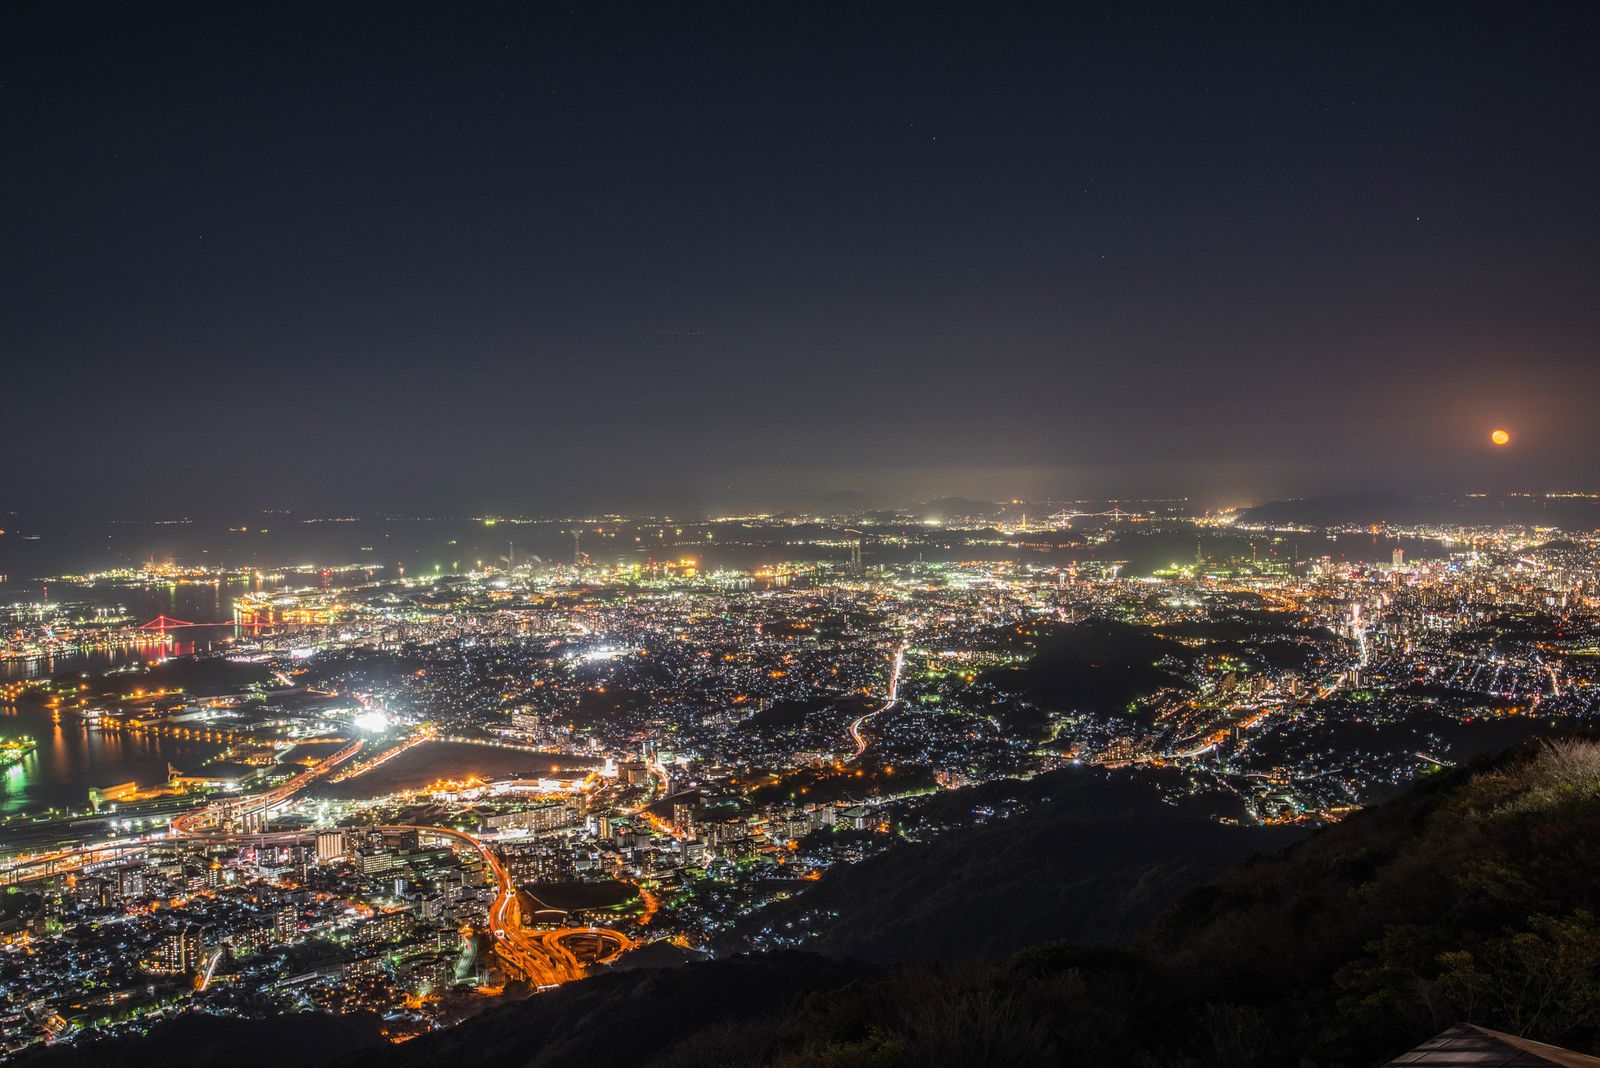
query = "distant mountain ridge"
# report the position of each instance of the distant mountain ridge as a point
(1366, 509)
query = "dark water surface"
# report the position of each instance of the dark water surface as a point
(71, 757)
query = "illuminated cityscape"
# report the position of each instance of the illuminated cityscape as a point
(799, 536)
(420, 792)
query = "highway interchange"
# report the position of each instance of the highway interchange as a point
(544, 956)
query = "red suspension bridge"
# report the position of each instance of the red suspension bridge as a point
(162, 624)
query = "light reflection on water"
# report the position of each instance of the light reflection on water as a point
(100, 659)
(70, 756)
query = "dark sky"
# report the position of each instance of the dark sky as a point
(384, 255)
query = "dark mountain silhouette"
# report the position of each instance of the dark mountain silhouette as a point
(955, 508)
(1090, 856)
(1100, 666)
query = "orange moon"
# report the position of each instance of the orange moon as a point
(1500, 437)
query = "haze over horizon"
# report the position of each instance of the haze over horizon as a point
(384, 257)
(886, 535)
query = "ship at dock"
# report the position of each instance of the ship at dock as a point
(15, 750)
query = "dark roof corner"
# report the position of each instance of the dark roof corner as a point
(1479, 1047)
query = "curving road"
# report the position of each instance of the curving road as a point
(894, 697)
(545, 957)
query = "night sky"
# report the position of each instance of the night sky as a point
(359, 256)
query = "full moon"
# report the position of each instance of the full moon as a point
(1500, 437)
